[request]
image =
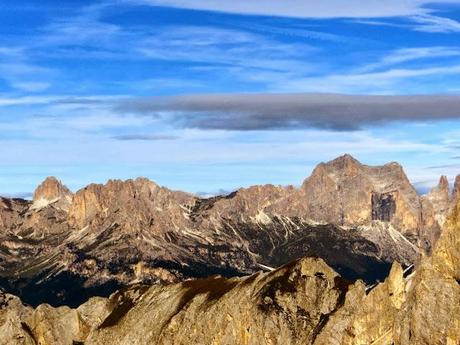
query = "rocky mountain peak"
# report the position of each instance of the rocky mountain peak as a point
(345, 165)
(359, 219)
(332, 171)
(344, 191)
(51, 190)
(438, 199)
(345, 161)
(443, 183)
(447, 252)
(130, 202)
(397, 170)
(456, 191)
(441, 191)
(304, 302)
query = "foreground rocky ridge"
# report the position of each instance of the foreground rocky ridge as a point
(63, 248)
(304, 302)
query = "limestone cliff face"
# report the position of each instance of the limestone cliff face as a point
(440, 199)
(63, 248)
(304, 302)
(9, 210)
(432, 312)
(435, 207)
(412, 308)
(287, 306)
(52, 191)
(347, 192)
(456, 192)
(342, 191)
(135, 204)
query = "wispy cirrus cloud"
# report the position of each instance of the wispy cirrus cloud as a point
(25, 76)
(26, 100)
(225, 47)
(403, 55)
(145, 137)
(428, 23)
(435, 24)
(55, 119)
(236, 52)
(299, 8)
(297, 32)
(87, 67)
(357, 82)
(256, 55)
(443, 166)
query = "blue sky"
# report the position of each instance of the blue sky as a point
(192, 93)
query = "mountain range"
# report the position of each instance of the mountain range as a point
(303, 302)
(353, 256)
(62, 248)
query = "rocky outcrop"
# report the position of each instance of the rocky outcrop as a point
(52, 191)
(456, 191)
(347, 192)
(342, 191)
(137, 204)
(64, 248)
(431, 312)
(435, 207)
(303, 302)
(286, 306)
(439, 197)
(420, 307)
(10, 209)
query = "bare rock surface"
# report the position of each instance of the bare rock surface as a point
(52, 191)
(344, 191)
(303, 302)
(63, 248)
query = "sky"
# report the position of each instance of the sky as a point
(212, 95)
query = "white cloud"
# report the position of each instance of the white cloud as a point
(435, 24)
(428, 23)
(25, 76)
(30, 86)
(363, 82)
(57, 100)
(410, 54)
(301, 8)
(28, 100)
(79, 30)
(219, 46)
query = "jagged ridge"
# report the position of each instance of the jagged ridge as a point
(303, 302)
(359, 219)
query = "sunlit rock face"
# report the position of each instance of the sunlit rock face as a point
(303, 302)
(52, 191)
(63, 248)
(286, 306)
(345, 191)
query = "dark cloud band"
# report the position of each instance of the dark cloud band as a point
(291, 111)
